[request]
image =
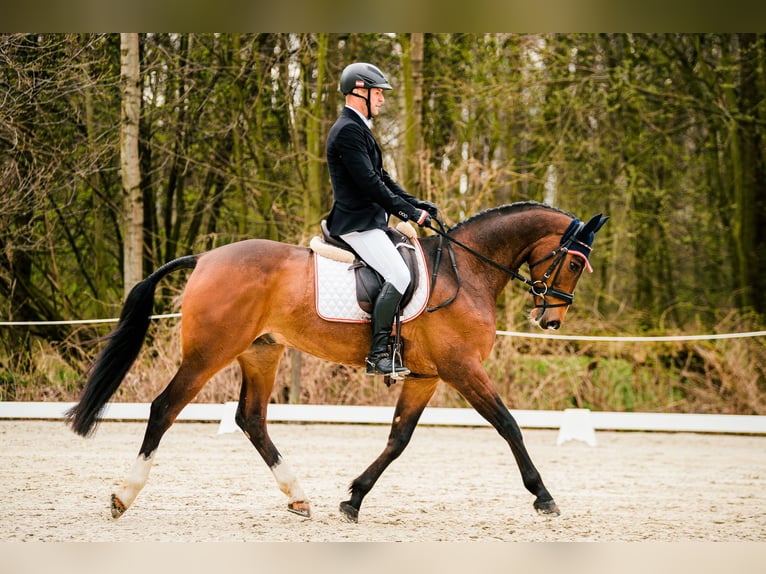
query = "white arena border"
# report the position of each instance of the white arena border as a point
(436, 416)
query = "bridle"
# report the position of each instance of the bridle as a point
(539, 288)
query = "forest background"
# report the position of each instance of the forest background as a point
(119, 152)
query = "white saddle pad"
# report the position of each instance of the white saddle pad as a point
(336, 290)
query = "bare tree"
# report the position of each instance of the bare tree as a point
(130, 89)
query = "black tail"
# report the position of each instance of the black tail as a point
(114, 361)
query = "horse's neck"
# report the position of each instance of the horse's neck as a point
(508, 240)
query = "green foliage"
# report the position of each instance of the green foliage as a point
(662, 132)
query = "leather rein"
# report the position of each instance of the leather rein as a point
(539, 288)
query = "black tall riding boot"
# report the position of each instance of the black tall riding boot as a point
(383, 314)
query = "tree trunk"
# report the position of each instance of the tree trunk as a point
(751, 174)
(312, 204)
(130, 81)
(412, 72)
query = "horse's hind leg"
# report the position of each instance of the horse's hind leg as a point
(184, 386)
(475, 386)
(259, 367)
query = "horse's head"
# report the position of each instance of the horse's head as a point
(555, 267)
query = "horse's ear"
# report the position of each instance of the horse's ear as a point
(594, 224)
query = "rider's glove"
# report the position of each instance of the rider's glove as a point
(430, 207)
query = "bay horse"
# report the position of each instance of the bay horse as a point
(250, 300)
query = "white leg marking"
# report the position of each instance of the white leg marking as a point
(287, 481)
(135, 481)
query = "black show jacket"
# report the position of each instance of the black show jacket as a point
(364, 194)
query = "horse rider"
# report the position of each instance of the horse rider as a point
(364, 196)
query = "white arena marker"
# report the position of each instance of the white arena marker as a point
(576, 425)
(228, 424)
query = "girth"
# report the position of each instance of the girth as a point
(368, 281)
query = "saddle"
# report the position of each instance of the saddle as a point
(368, 281)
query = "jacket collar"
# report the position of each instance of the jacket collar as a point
(351, 112)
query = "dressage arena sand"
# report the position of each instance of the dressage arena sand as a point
(453, 484)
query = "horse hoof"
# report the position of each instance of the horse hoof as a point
(118, 508)
(547, 508)
(300, 507)
(350, 513)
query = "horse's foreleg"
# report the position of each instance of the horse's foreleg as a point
(414, 397)
(163, 412)
(259, 367)
(475, 386)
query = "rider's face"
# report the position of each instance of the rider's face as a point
(376, 100)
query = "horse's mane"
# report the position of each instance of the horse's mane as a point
(518, 206)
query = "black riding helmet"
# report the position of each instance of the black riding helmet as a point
(362, 75)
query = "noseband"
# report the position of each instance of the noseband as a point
(539, 288)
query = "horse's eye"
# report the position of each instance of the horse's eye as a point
(574, 266)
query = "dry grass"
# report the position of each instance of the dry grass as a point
(725, 376)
